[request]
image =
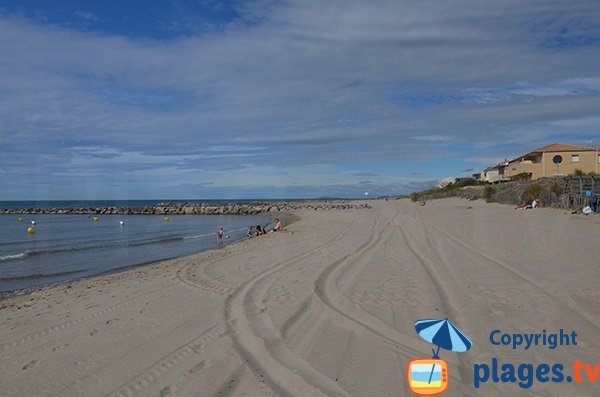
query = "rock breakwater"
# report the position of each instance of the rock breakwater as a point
(193, 208)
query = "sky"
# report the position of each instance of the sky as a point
(285, 99)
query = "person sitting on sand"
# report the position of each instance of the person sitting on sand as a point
(259, 230)
(250, 233)
(278, 227)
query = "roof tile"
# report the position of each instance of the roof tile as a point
(563, 147)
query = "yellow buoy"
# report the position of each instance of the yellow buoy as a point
(166, 219)
(20, 219)
(30, 230)
(96, 219)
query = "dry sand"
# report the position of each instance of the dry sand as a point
(328, 310)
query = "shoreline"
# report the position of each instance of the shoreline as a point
(287, 219)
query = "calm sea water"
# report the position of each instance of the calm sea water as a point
(66, 247)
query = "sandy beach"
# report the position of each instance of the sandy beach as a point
(326, 311)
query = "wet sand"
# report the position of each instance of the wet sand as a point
(326, 311)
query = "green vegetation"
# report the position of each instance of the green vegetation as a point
(488, 193)
(579, 172)
(557, 189)
(468, 182)
(532, 191)
(450, 190)
(549, 192)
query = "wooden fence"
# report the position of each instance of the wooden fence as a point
(580, 190)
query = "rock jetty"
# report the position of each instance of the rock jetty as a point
(193, 208)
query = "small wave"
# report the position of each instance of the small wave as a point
(51, 251)
(22, 255)
(199, 236)
(39, 275)
(213, 234)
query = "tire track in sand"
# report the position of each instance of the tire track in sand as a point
(326, 291)
(269, 355)
(196, 275)
(449, 296)
(159, 368)
(509, 269)
(331, 297)
(142, 381)
(67, 324)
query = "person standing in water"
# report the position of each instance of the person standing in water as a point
(220, 235)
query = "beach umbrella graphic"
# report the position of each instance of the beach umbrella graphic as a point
(442, 333)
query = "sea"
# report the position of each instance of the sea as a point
(68, 247)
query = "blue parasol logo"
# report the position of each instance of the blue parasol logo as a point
(428, 377)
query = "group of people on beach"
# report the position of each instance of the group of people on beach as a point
(253, 231)
(528, 204)
(259, 230)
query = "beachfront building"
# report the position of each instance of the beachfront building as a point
(495, 174)
(558, 159)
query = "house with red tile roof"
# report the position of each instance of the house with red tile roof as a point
(553, 160)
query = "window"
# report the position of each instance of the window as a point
(574, 158)
(557, 159)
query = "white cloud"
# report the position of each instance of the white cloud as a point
(302, 84)
(433, 138)
(86, 15)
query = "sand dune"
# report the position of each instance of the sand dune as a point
(327, 311)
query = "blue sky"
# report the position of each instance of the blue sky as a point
(261, 99)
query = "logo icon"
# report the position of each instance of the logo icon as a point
(429, 376)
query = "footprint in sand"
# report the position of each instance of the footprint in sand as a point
(198, 367)
(167, 391)
(94, 332)
(30, 364)
(57, 348)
